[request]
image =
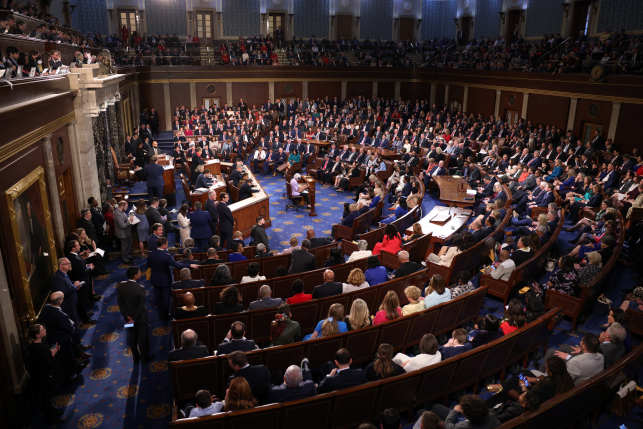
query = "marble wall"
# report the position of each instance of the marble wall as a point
(376, 19)
(311, 17)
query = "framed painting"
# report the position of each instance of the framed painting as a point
(30, 217)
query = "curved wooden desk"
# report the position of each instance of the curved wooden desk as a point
(453, 191)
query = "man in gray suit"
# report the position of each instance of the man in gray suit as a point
(123, 231)
(583, 362)
(266, 300)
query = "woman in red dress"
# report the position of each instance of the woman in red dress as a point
(392, 241)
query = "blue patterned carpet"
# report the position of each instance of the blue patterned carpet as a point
(116, 393)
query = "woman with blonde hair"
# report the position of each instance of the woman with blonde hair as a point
(355, 281)
(383, 366)
(332, 325)
(586, 273)
(417, 233)
(359, 316)
(415, 304)
(437, 292)
(389, 310)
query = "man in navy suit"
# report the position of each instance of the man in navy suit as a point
(153, 174)
(236, 340)
(298, 384)
(610, 181)
(210, 207)
(160, 263)
(204, 180)
(257, 376)
(456, 345)
(200, 221)
(61, 282)
(157, 232)
(342, 376)
(81, 272)
(226, 221)
(383, 144)
(543, 200)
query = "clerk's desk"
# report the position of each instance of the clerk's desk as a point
(244, 212)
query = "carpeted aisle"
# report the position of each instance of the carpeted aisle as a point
(116, 393)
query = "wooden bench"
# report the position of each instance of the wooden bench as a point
(588, 398)
(574, 307)
(350, 407)
(528, 269)
(213, 329)
(417, 252)
(360, 225)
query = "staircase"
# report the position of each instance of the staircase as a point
(351, 58)
(207, 56)
(417, 58)
(283, 57)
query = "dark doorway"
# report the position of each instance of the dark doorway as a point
(513, 25)
(580, 19)
(465, 24)
(345, 26)
(276, 20)
(407, 28)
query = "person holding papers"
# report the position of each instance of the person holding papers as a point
(204, 180)
(297, 190)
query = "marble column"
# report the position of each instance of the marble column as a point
(446, 94)
(525, 104)
(120, 132)
(343, 92)
(616, 111)
(496, 109)
(98, 130)
(374, 89)
(396, 94)
(52, 181)
(304, 91)
(109, 121)
(465, 99)
(572, 113)
(271, 92)
(432, 96)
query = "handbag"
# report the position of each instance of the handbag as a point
(550, 264)
(624, 399)
(605, 301)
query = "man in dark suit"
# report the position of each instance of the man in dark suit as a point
(342, 376)
(456, 345)
(524, 253)
(157, 232)
(161, 262)
(97, 217)
(317, 241)
(210, 207)
(236, 340)
(257, 376)
(266, 301)
(153, 121)
(60, 282)
(186, 281)
(226, 221)
(191, 348)
(302, 261)
(81, 272)
(298, 384)
(406, 267)
(85, 222)
(329, 287)
(131, 301)
(258, 234)
(200, 232)
(213, 258)
(153, 174)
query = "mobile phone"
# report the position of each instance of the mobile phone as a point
(129, 325)
(622, 427)
(53, 346)
(523, 378)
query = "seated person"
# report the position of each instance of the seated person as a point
(406, 267)
(266, 300)
(332, 325)
(237, 255)
(361, 253)
(474, 410)
(186, 281)
(261, 251)
(212, 259)
(447, 253)
(389, 310)
(236, 340)
(463, 285)
(329, 287)
(437, 292)
(429, 355)
(191, 348)
(359, 316)
(284, 330)
(501, 269)
(203, 406)
(238, 397)
(564, 280)
(299, 296)
(253, 275)
(514, 318)
(375, 272)
(488, 330)
(383, 366)
(230, 301)
(189, 310)
(413, 294)
(456, 345)
(342, 376)
(257, 376)
(355, 281)
(298, 384)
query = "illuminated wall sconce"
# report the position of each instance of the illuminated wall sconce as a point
(357, 20)
(566, 9)
(419, 22)
(396, 21)
(502, 16)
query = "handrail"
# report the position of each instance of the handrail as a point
(438, 54)
(546, 54)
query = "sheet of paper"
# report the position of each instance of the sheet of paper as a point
(135, 220)
(471, 192)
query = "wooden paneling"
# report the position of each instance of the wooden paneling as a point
(322, 89)
(282, 87)
(505, 102)
(629, 126)
(251, 92)
(415, 91)
(548, 110)
(151, 95)
(583, 115)
(481, 101)
(439, 95)
(179, 96)
(456, 93)
(353, 89)
(386, 90)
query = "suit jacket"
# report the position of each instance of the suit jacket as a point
(266, 302)
(151, 242)
(214, 216)
(519, 256)
(302, 261)
(131, 301)
(88, 226)
(187, 284)
(195, 352)
(327, 289)
(59, 326)
(202, 182)
(122, 227)
(284, 393)
(319, 241)
(161, 263)
(153, 216)
(611, 352)
(225, 217)
(79, 270)
(258, 377)
(227, 347)
(153, 173)
(344, 379)
(448, 352)
(200, 221)
(61, 283)
(406, 268)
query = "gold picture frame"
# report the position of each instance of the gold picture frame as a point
(44, 259)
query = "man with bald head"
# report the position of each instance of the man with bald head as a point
(502, 269)
(61, 282)
(317, 241)
(189, 310)
(265, 300)
(131, 301)
(298, 384)
(191, 348)
(329, 288)
(406, 267)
